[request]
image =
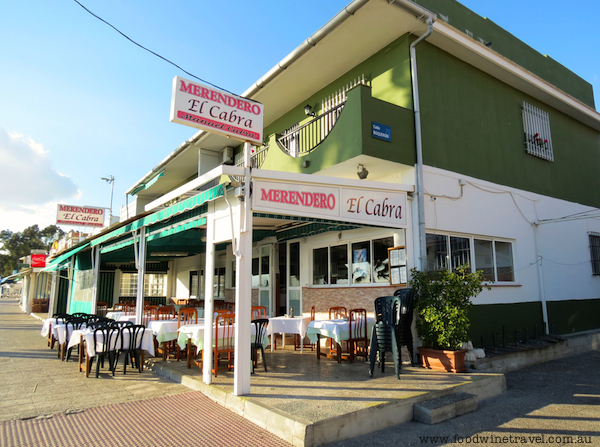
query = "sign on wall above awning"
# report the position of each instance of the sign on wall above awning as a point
(80, 215)
(368, 206)
(212, 110)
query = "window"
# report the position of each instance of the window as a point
(155, 284)
(194, 283)
(494, 258)
(219, 282)
(366, 260)
(538, 140)
(595, 252)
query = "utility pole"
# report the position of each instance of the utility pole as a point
(110, 179)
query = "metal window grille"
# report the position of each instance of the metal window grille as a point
(538, 140)
(595, 252)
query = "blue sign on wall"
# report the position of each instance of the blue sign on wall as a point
(381, 131)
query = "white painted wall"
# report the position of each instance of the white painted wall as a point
(492, 210)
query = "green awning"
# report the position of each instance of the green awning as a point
(154, 180)
(177, 229)
(178, 208)
(56, 262)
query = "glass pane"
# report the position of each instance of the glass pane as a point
(233, 273)
(264, 270)
(320, 273)
(255, 272)
(460, 251)
(484, 258)
(193, 284)
(295, 264)
(381, 272)
(155, 284)
(295, 302)
(339, 264)
(437, 252)
(504, 262)
(219, 282)
(361, 262)
(263, 300)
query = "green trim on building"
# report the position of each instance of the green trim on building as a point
(568, 316)
(490, 320)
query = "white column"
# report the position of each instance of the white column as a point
(141, 269)
(243, 290)
(209, 302)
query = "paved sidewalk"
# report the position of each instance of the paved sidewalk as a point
(47, 402)
(555, 403)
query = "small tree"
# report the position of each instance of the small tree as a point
(442, 302)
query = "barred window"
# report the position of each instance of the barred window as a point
(595, 252)
(538, 140)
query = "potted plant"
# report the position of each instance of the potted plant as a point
(442, 303)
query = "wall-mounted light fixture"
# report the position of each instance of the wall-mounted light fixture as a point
(308, 111)
(362, 172)
(169, 253)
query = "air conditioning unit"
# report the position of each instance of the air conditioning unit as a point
(227, 156)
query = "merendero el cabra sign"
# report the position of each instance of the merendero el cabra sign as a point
(206, 108)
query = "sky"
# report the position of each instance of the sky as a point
(79, 101)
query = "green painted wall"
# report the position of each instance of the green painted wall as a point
(472, 124)
(488, 320)
(512, 48)
(351, 136)
(566, 317)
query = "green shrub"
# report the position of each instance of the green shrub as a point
(442, 302)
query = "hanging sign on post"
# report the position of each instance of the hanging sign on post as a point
(207, 108)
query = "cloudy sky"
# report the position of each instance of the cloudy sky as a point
(78, 101)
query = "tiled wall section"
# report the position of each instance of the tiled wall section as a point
(348, 297)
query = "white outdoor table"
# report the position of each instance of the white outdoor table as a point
(114, 315)
(48, 322)
(164, 330)
(193, 334)
(288, 325)
(337, 330)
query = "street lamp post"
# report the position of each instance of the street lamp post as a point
(110, 180)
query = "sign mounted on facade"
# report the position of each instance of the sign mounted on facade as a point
(381, 131)
(80, 215)
(38, 260)
(206, 108)
(374, 207)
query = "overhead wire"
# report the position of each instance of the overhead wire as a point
(152, 52)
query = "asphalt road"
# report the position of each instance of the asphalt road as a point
(554, 404)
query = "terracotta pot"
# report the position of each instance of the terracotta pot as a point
(451, 361)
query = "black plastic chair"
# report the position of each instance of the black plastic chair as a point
(106, 343)
(99, 322)
(131, 346)
(72, 324)
(404, 335)
(383, 339)
(260, 330)
(60, 318)
(121, 324)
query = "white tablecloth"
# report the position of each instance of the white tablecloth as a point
(46, 326)
(88, 335)
(164, 330)
(339, 330)
(195, 332)
(288, 325)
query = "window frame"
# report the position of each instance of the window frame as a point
(147, 284)
(349, 244)
(473, 257)
(594, 241)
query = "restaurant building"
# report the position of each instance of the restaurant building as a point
(413, 126)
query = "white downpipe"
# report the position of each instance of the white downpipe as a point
(96, 269)
(419, 143)
(540, 274)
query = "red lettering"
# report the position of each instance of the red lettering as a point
(268, 197)
(284, 197)
(187, 89)
(331, 201)
(367, 207)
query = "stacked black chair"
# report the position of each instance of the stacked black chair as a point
(121, 324)
(260, 330)
(404, 335)
(383, 339)
(131, 346)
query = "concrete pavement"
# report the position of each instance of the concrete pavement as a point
(47, 402)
